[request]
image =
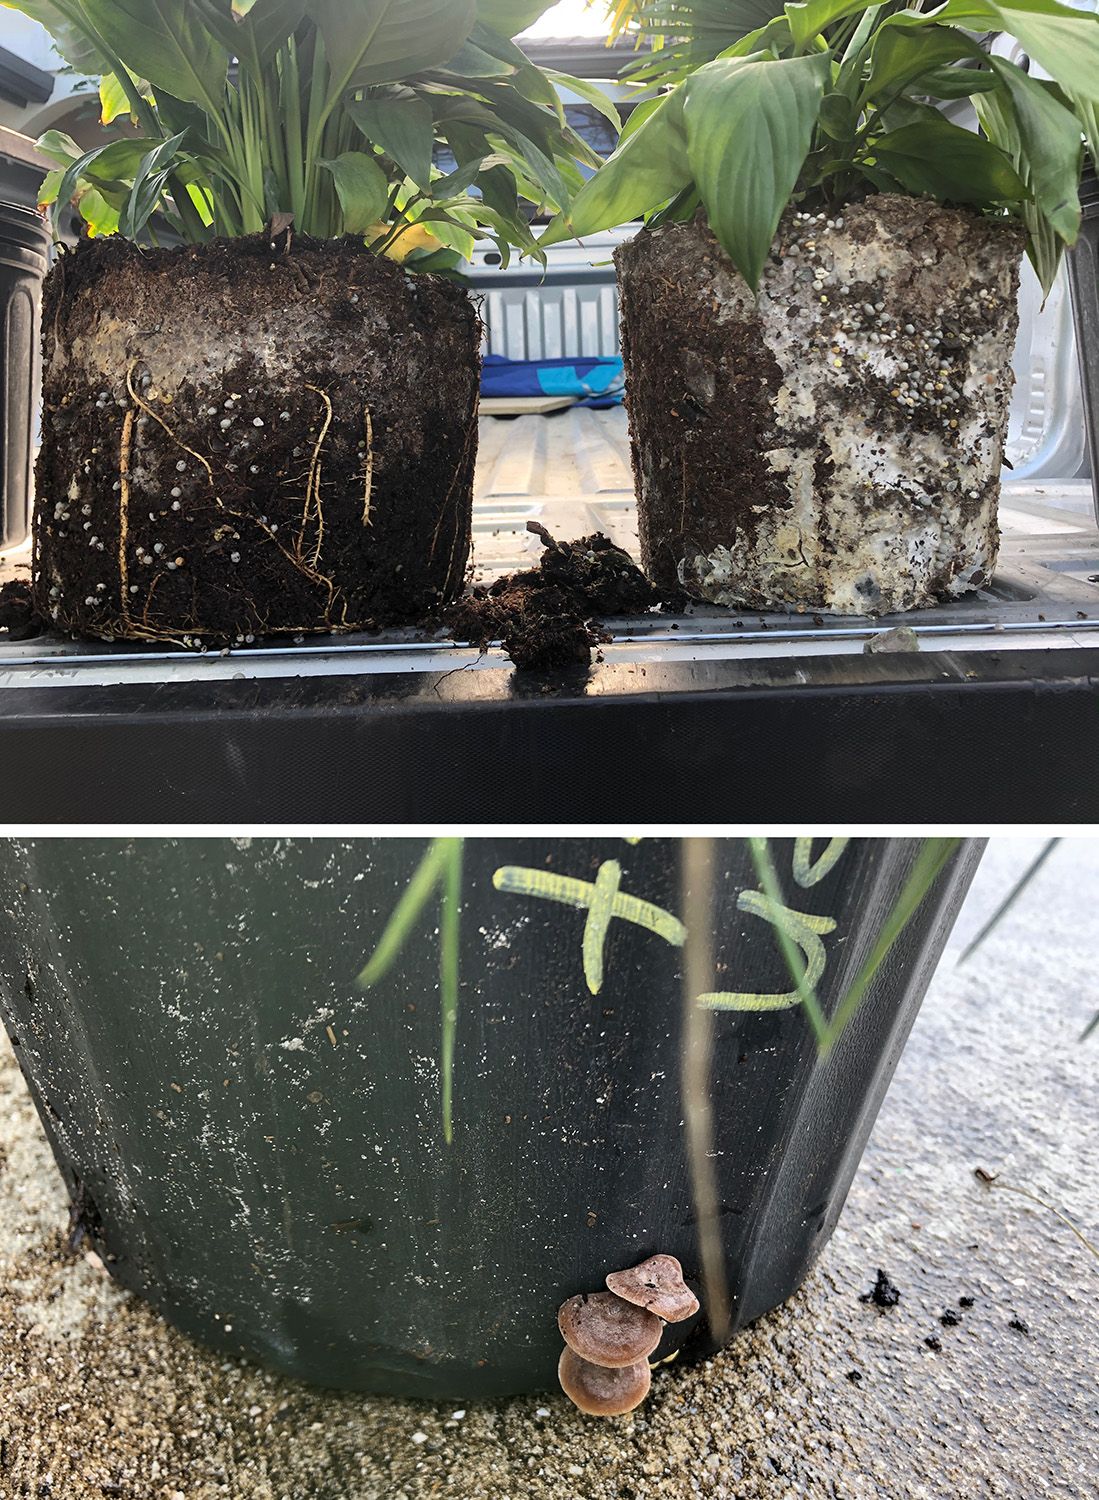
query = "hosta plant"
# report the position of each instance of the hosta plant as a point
(323, 113)
(825, 102)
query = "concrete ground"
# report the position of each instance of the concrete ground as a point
(826, 1397)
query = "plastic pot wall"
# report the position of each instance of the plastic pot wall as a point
(24, 246)
(255, 1143)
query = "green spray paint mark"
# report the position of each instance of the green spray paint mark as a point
(439, 870)
(803, 931)
(801, 928)
(808, 873)
(602, 900)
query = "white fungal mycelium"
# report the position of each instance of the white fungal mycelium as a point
(888, 379)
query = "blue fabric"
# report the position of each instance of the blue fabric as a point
(592, 382)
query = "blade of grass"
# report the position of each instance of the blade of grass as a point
(760, 850)
(450, 915)
(417, 894)
(695, 1068)
(929, 865)
(1009, 900)
(991, 1180)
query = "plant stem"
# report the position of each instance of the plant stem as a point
(698, 862)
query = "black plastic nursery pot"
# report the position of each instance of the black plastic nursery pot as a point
(251, 437)
(835, 444)
(24, 248)
(305, 1171)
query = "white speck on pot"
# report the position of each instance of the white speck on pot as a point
(419, 1437)
(257, 421)
(234, 557)
(176, 505)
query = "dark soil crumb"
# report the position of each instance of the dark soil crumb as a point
(17, 612)
(1019, 1325)
(966, 1301)
(855, 1377)
(545, 616)
(934, 1343)
(949, 1318)
(883, 1293)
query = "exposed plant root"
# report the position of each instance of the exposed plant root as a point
(313, 485)
(125, 452)
(148, 410)
(368, 475)
(444, 509)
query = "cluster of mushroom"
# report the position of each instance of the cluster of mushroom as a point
(604, 1367)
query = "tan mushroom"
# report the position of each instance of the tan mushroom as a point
(600, 1327)
(656, 1284)
(599, 1391)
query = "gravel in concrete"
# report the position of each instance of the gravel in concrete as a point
(829, 1396)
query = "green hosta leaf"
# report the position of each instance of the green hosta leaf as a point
(749, 128)
(362, 186)
(1049, 135)
(900, 57)
(589, 93)
(471, 61)
(115, 164)
(149, 186)
(402, 126)
(49, 188)
(510, 17)
(98, 212)
(74, 41)
(114, 100)
(59, 147)
(838, 117)
(451, 231)
(384, 41)
(1044, 247)
(957, 83)
(455, 183)
(169, 43)
(950, 164)
(1065, 42)
(267, 24)
(809, 19)
(646, 170)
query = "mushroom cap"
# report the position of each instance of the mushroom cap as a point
(656, 1284)
(600, 1327)
(599, 1391)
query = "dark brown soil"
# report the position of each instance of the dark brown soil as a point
(544, 617)
(242, 439)
(703, 396)
(883, 1293)
(17, 612)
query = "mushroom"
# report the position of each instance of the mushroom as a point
(599, 1391)
(604, 1329)
(656, 1284)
